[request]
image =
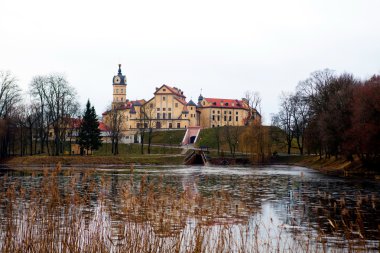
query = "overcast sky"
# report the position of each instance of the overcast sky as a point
(221, 47)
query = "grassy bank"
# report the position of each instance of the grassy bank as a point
(172, 137)
(135, 149)
(128, 154)
(156, 159)
(336, 166)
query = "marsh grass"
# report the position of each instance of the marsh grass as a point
(66, 211)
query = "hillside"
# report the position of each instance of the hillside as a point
(250, 139)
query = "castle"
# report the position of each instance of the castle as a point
(168, 109)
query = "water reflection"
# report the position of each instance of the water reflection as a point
(268, 203)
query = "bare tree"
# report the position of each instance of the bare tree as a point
(9, 93)
(253, 100)
(301, 115)
(218, 137)
(232, 134)
(31, 117)
(146, 124)
(60, 100)
(284, 119)
(114, 121)
(256, 134)
(9, 97)
(36, 89)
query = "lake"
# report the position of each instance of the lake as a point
(187, 209)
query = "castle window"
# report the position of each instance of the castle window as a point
(164, 115)
(164, 109)
(225, 118)
(121, 90)
(178, 125)
(218, 117)
(117, 90)
(230, 118)
(163, 98)
(213, 117)
(176, 105)
(169, 109)
(230, 112)
(151, 106)
(213, 111)
(158, 109)
(169, 115)
(170, 125)
(237, 113)
(158, 115)
(225, 112)
(237, 118)
(163, 89)
(218, 112)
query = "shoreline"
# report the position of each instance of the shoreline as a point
(330, 166)
(147, 159)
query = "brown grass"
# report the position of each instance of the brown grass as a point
(85, 212)
(158, 159)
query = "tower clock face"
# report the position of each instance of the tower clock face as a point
(117, 79)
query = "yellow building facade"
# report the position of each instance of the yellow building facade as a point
(168, 109)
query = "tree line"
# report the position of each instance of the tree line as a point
(40, 121)
(333, 115)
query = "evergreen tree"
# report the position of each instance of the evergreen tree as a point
(89, 133)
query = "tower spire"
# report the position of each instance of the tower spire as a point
(119, 72)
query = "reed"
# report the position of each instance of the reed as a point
(66, 211)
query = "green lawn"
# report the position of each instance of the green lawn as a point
(207, 137)
(172, 137)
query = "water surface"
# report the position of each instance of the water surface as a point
(283, 202)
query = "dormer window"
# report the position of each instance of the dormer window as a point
(226, 104)
(233, 104)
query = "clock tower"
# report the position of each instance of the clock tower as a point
(119, 83)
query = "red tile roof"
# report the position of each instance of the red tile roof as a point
(225, 103)
(75, 122)
(103, 127)
(173, 90)
(182, 101)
